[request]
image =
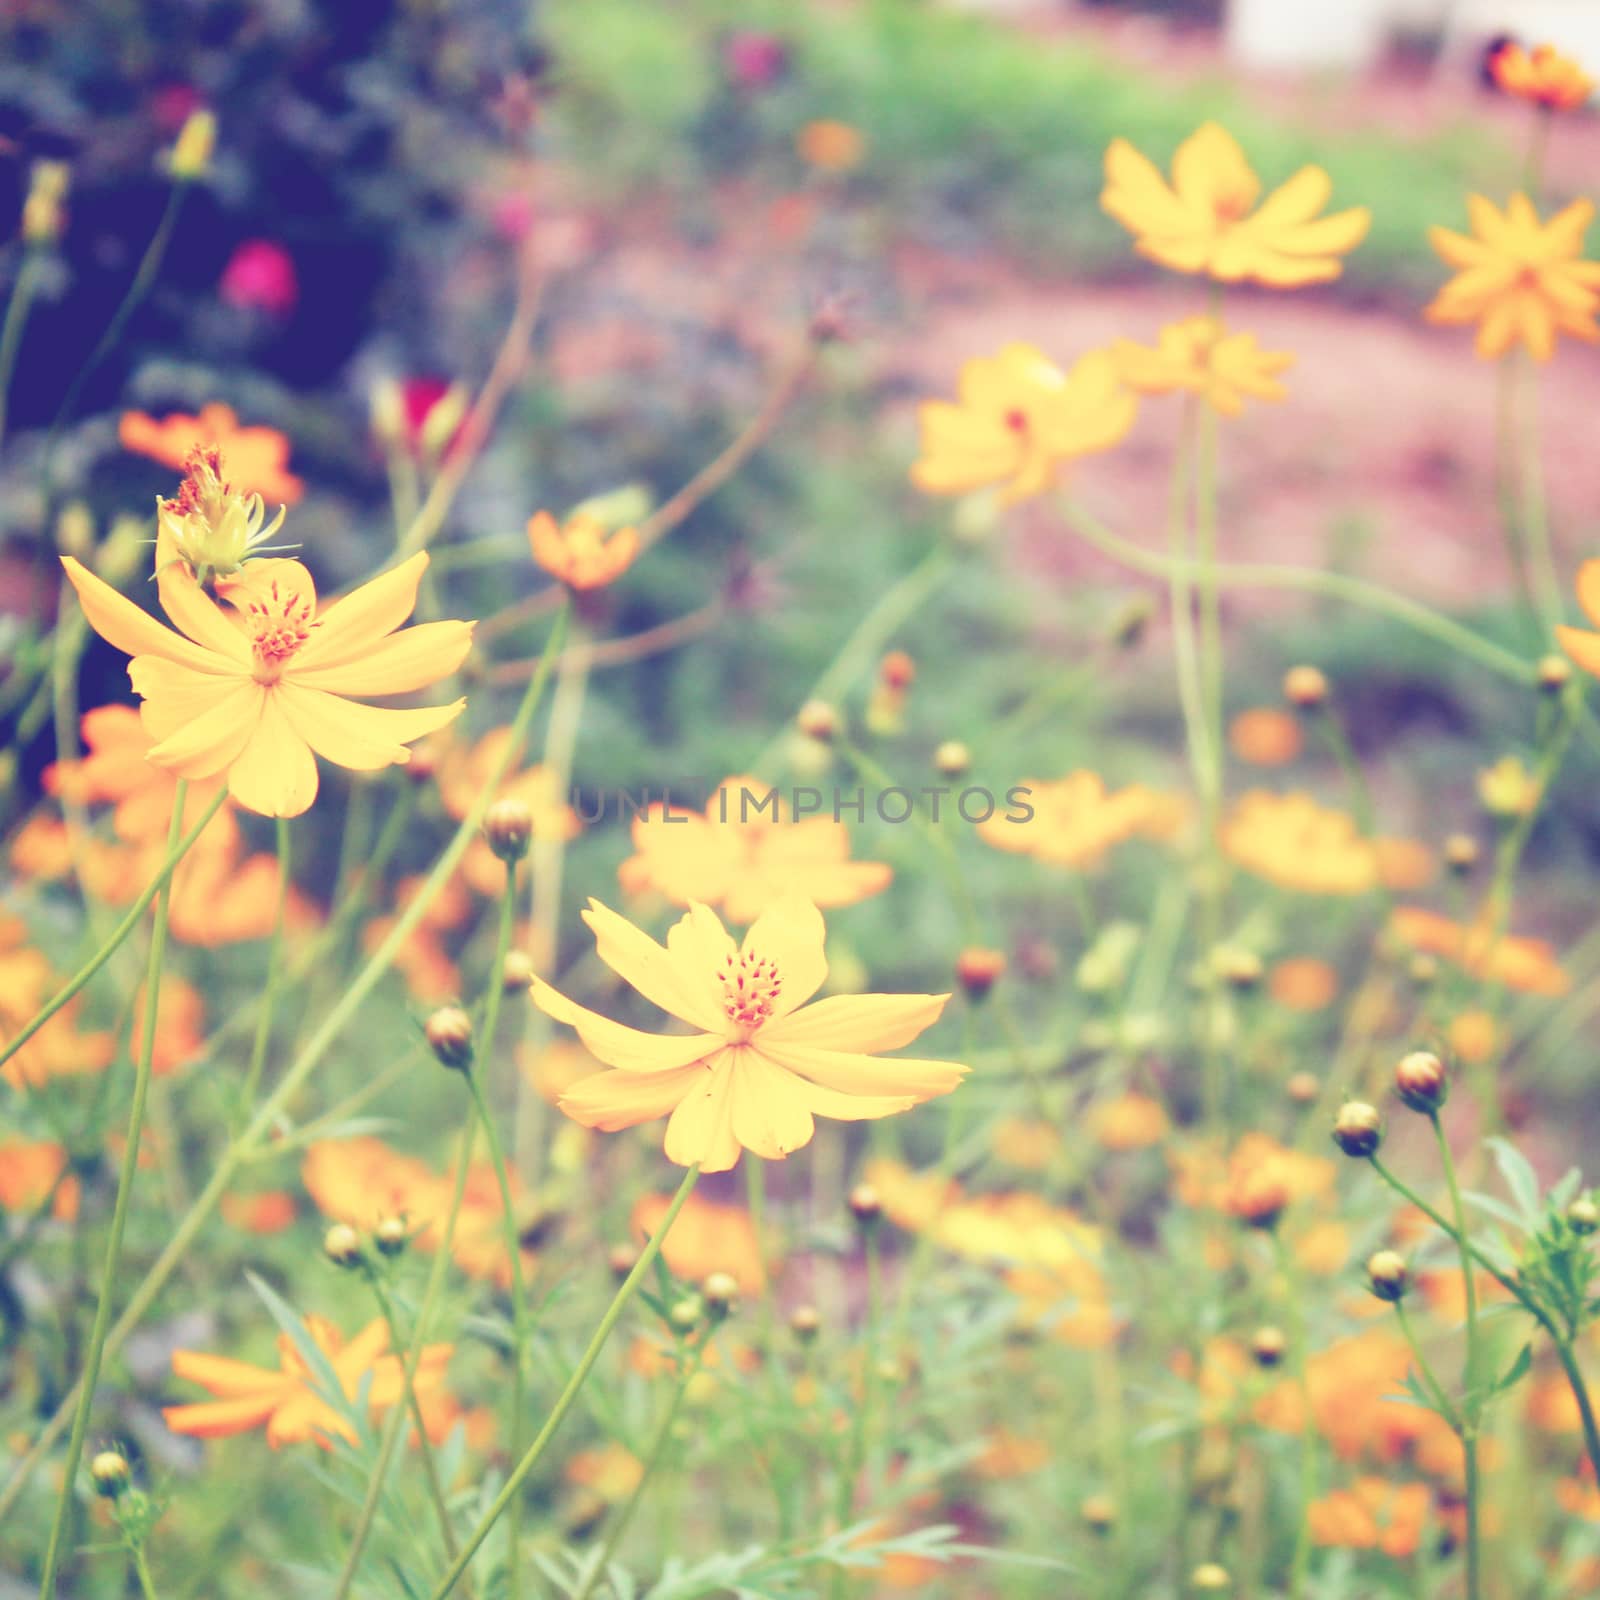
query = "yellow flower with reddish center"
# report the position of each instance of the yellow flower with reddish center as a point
(1265, 736)
(1077, 819)
(31, 1173)
(1200, 356)
(1521, 280)
(1582, 644)
(1295, 843)
(258, 458)
(762, 1063)
(1542, 76)
(742, 856)
(707, 1237)
(1207, 219)
(253, 688)
(286, 1401)
(580, 552)
(1373, 1514)
(1019, 419)
(1525, 964)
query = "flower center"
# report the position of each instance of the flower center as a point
(1231, 205)
(1017, 421)
(280, 622)
(750, 990)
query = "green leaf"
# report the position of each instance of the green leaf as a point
(1521, 1180)
(325, 1379)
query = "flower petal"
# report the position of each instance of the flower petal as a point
(613, 1100)
(412, 659)
(224, 1377)
(621, 1046)
(858, 1022)
(216, 1419)
(275, 774)
(360, 737)
(790, 934)
(768, 1110)
(207, 743)
(351, 626)
(852, 1073)
(120, 622)
(701, 1128)
(194, 612)
(670, 979)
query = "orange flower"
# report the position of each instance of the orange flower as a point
(180, 1024)
(1297, 844)
(762, 1063)
(286, 1402)
(1527, 965)
(29, 1170)
(1199, 356)
(1207, 220)
(612, 1471)
(742, 859)
(1542, 76)
(1127, 1122)
(1303, 983)
(270, 1211)
(1473, 1036)
(258, 458)
(830, 146)
(1265, 736)
(1076, 819)
(255, 688)
(1259, 1175)
(707, 1237)
(424, 960)
(580, 553)
(57, 1050)
(1521, 280)
(1580, 643)
(1373, 1514)
(1020, 1142)
(1019, 421)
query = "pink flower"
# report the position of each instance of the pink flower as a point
(260, 276)
(754, 60)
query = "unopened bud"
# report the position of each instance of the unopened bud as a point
(196, 142)
(75, 531)
(686, 1313)
(1388, 1276)
(42, 212)
(1238, 968)
(818, 720)
(830, 322)
(1554, 673)
(1421, 1081)
(391, 1235)
(1358, 1128)
(621, 1259)
(952, 759)
(897, 670)
(1304, 1088)
(721, 1291)
(1422, 969)
(109, 1473)
(517, 971)
(449, 1032)
(508, 826)
(1099, 1512)
(1583, 1215)
(865, 1206)
(1209, 1578)
(805, 1323)
(1461, 853)
(1128, 625)
(1305, 688)
(341, 1244)
(1268, 1346)
(978, 970)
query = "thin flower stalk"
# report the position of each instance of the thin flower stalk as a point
(1299, 1341)
(275, 963)
(56, 1550)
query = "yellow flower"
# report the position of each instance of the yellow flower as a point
(830, 146)
(742, 859)
(1541, 76)
(1199, 356)
(1508, 789)
(762, 1062)
(1076, 819)
(1525, 964)
(286, 1401)
(1019, 420)
(1207, 221)
(1580, 643)
(1520, 280)
(254, 688)
(1128, 1121)
(580, 552)
(1297, 844)
(1265, 736)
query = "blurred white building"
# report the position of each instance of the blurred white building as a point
(1311, 34)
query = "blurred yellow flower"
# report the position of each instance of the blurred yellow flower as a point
(1373, 1514)
(1297, 844)
(763, 1063)
(1303, 983)
(31, 1172)
(1127, 1122)
(1019, 420)
(1527, 965)
(1508, 789)
(1076, 819)
(1207, 219)
(707, 1237)
(741, 855)
(1542, 76)
(580, 552)
(1520, 280)
(1582, 644)
(1265, 736)
(1199, 356)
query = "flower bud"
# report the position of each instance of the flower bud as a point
(391, 1235)
(621, 1259)
(1554, 673)
(686, 1313)
(818, 720)
(1209, 1578)
(1305, 688)
(830, 322)
(952, 759)
(1388, 1276)
(341, 1244)
(196, 142)
(424, 763)
(109, 1473)
(865, 1206)
(1129, 622)
(1422, 969)
(1099, 1513)
(508, 826)
(1239, 968)
(1421, 1081)
(449, 1032)
(42, 213)
(517, 973)
(1268, 1346)
(1304, 1088)
(978, 970)
(1583, 1216)
(805, 1323)
(897, 670)
(721, 1291)
(1461, 853)
(1358, 1129)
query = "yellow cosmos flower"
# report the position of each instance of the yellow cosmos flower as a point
(1077, 819)
(1508, 789)
(1521, 280)
(743, 859)
(580, 552)
(1542, 76)
(1207, 219)
(761, 1062)
(1199, 356)
(286, 1402)
(1580, 643)
(1297, 844)
(1018, 421)
(253, 686)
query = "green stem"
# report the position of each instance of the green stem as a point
(1535, 510)
(1310, 580)
(1181, 601)
(512, 1486)
(119, 1219)
(1300, 1570)
(17, 308)
(1425, 1370)
(855, 1459)
(141, 1566)
(130, 921)
(258, 1048)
